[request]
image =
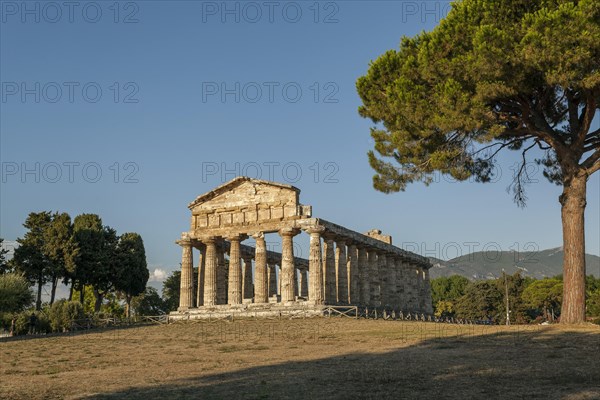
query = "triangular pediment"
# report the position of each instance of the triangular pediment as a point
(243, 191)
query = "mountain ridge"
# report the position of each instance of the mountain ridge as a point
(489, 265)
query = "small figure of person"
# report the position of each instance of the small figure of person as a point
(12, 326)
(32, 322)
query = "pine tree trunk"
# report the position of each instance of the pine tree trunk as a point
(53, 292)
(71, 290)
(82, 294)
(38, 302)
(98, 302)
(573, 201)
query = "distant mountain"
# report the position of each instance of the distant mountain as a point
(489, 265)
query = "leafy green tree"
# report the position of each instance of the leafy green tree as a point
(148, 303)
(60, 249)
(448, 288)
(96, 263)
(29, 257)
(4, 265)
(544, 295)
(89, 234)
(15, 293)
(132, 272)
(495, 74)
(481, 301)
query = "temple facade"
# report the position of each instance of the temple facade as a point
(343, 268)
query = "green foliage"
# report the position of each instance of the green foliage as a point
(448, 288)
(444, 309)
(29, 258)
(593, 304)
(15, 293)
(4, 265)
(60, 247)
(504, 74)
(544, 296)
(132, 273)
(148, 303)
(63, 313)
(481, 301)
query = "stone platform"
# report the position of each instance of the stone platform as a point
(240, 311)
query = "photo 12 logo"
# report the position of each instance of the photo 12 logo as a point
(54, 12)
(290, 171)
(269, 92)
(68, 92)
(252, 12)
(68, 172)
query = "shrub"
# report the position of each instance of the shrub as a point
(15, 294)
(63, 313)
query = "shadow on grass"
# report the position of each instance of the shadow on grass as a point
(81, 332)
(518, 364)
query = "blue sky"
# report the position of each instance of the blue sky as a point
(174, 91)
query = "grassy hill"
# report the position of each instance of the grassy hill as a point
(482, 265)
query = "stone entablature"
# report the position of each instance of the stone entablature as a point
(345, 267)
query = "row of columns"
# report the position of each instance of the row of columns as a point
(340, 272)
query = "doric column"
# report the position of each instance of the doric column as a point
(303, 284)
(287, 264)
(428, 301)
(186, 288)
(210, 272)
(399, 283)
(341, 266)
(261, 275)
(329, 283)
(234, 294)
(353, 284)
(391, 282)
(272, 279)
(296, 282)
(315, 280)
(374, 279)
(420, 288)
(363, 271)
(383, 277)
(247, 286)
(222, 274)
(200, 288)
(410, 280)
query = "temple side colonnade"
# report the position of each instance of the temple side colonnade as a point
(344, 267)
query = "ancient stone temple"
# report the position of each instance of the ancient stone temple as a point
(344, 267)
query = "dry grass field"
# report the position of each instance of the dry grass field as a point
(306, 359)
